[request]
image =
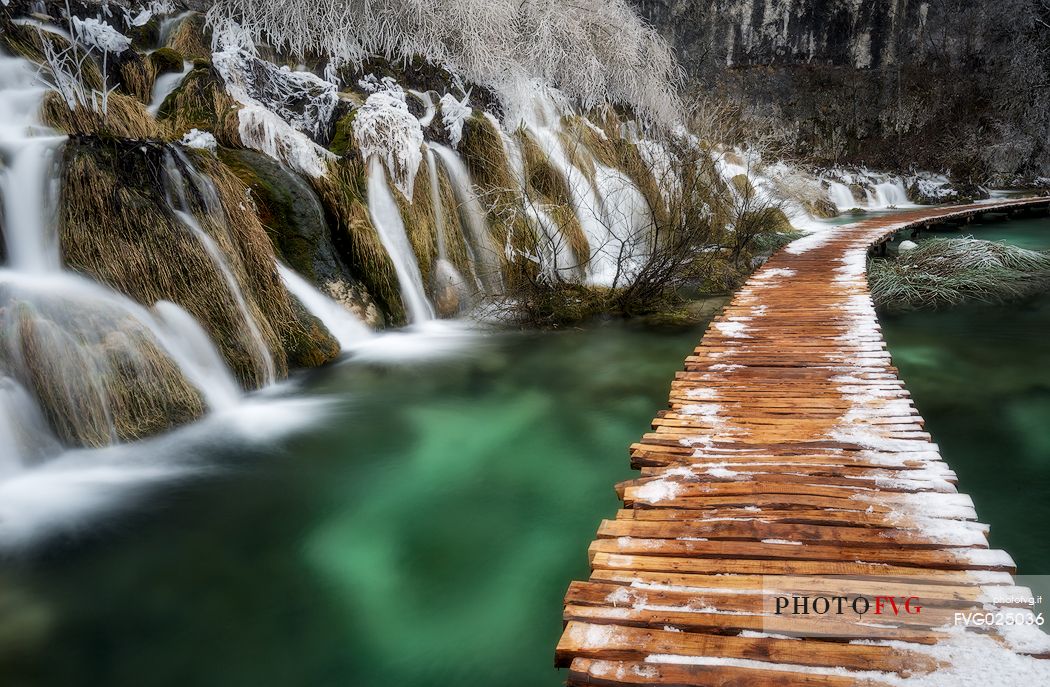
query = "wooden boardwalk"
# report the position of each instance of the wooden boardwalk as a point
(791, 456)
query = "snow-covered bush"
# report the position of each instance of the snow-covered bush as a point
(593, 50)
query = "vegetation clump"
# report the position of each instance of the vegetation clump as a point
(947, 272)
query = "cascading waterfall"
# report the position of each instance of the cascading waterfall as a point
(472, 216)
(447, 278)
(605, 247)
(347, 329)
(841, 196)
(386, 217)
(179, 204)
(890, 194)
(165, 85)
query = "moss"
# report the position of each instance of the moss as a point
(191, 38)
(125, 117)
(343, 138)
(166, 60)
(146, 36)
(201, 102)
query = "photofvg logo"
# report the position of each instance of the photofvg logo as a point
(857, 605)
(892, 608)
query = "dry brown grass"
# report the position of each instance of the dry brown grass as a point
(113, 192)
(248, 250)
(125, 117)
(98, 374)
(191, 38)
(137, 77)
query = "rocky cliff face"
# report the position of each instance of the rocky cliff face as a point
(942, 84)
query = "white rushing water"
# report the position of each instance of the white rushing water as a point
(485, 257)
(386, 217)
(62, 335)
(841, 196)
(165, 85)
(347, 329)
(180, 206)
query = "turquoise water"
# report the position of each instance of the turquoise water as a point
(981, 378)
(421, 533)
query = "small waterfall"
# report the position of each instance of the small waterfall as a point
(890, 194)
(177, 184)
(26, 180)
(347, 329)
(388, 223)
(626, 213)
(602, 267)
(447, 279)
(431, 109)
(197, 356)
(435, 202)
(486, 258)
(841, 196)
(165, 85)
(168, 26)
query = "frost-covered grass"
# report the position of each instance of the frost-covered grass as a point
(593, 50)
(945, 272)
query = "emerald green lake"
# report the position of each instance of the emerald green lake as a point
(421, 532)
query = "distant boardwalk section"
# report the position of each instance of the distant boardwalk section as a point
(792, 473)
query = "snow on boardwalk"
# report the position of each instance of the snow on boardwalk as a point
(792, 462)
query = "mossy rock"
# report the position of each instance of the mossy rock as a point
(117, 227)
(343, 134)
(146, 36)
(292, 214)
(201, 102)
(822, 207)
(166, 60)
(311, 344)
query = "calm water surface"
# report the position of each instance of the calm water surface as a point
(981, 378)
(422, 534)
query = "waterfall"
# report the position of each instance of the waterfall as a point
(347, 329)
(431, 109)
(486, 258)
(890, 194)
(602, 267)
(165, 85)
(168, 25)
(26, 179)
(391, 229)
(447, 278)
(177, 192)
(841, 196)
(197, 356)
